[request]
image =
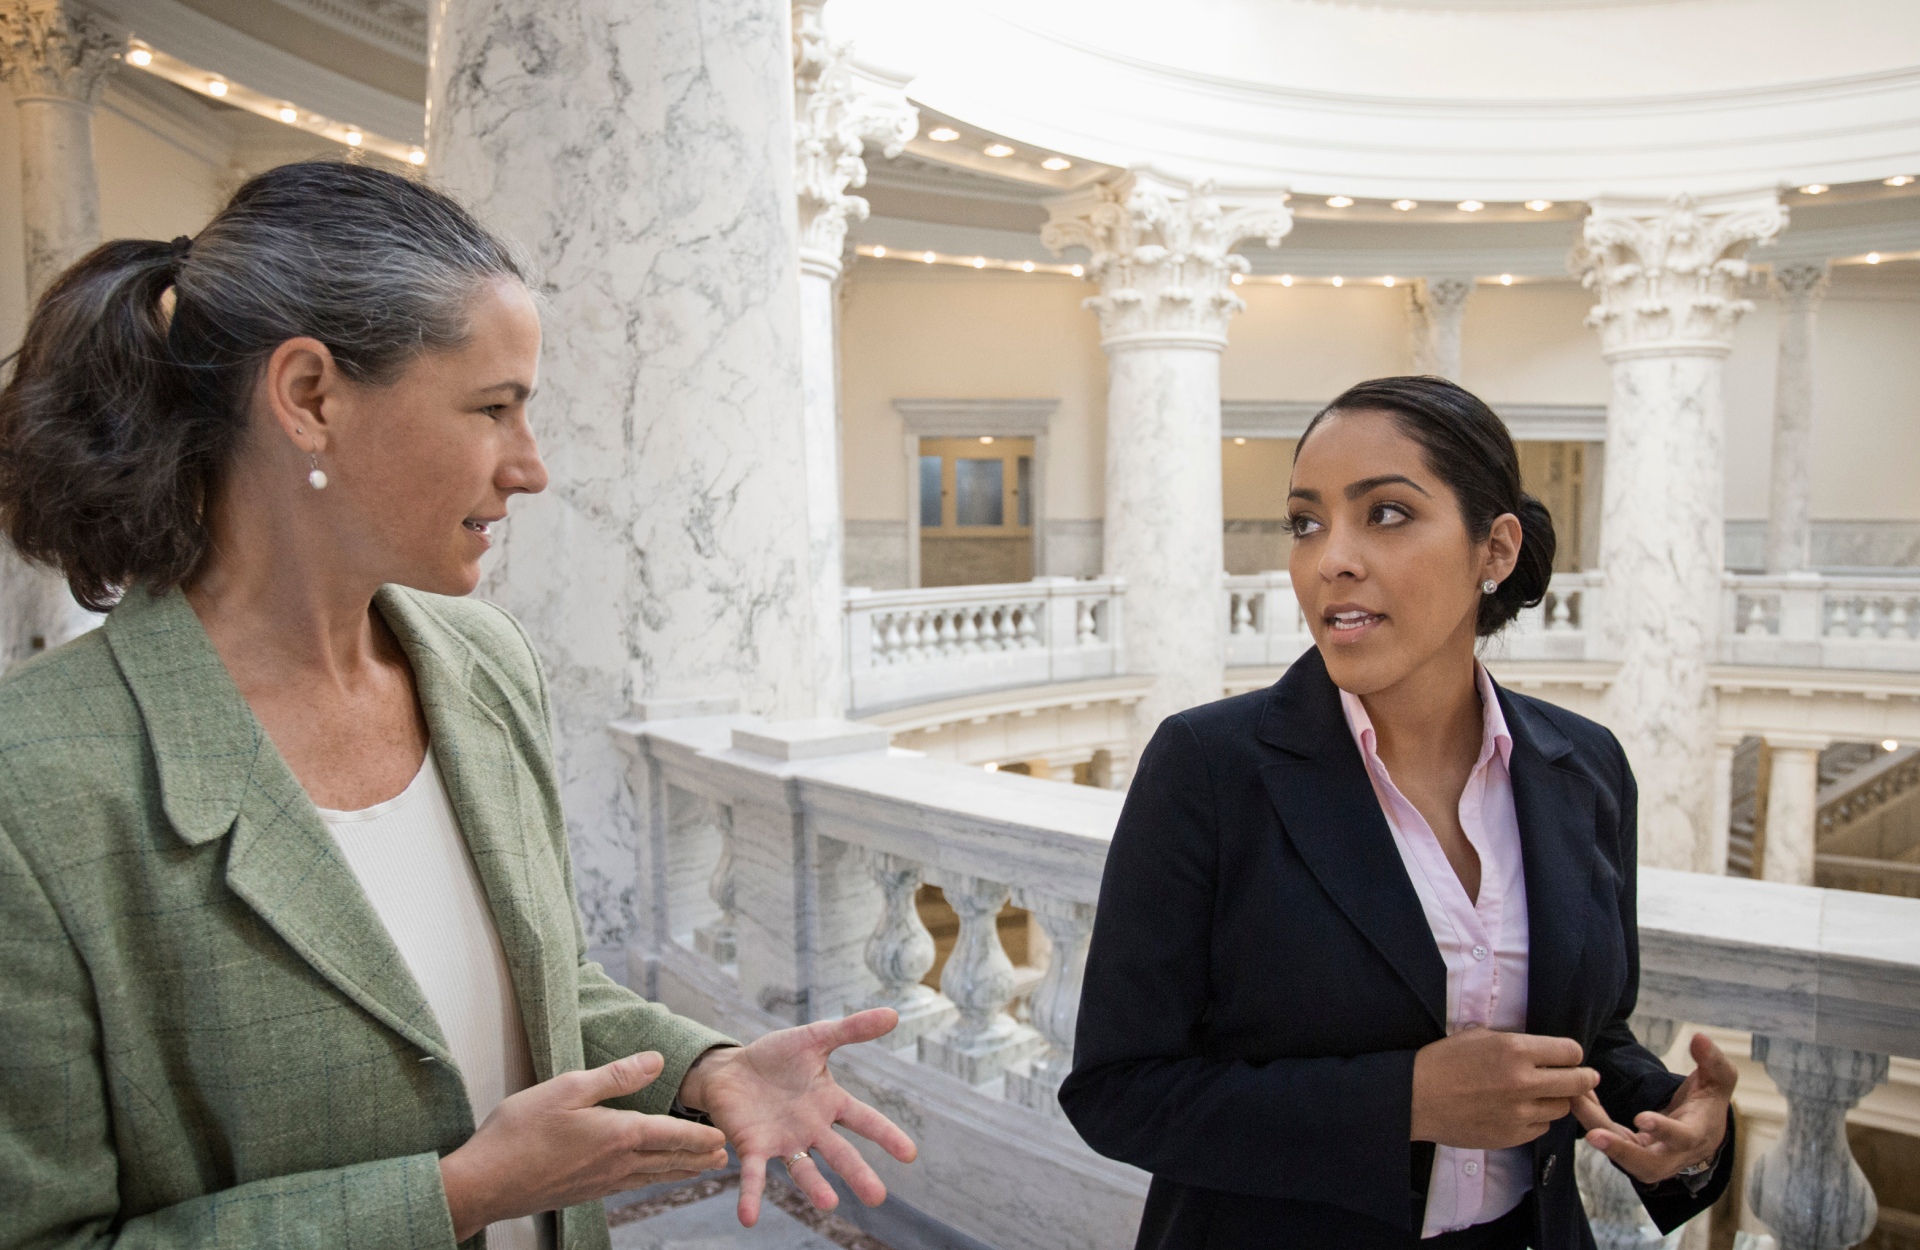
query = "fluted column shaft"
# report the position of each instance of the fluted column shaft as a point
(1790, 501)
(643, 151)
(1435, 309)
(1162, 254)
(1667, 276)
(56, 60)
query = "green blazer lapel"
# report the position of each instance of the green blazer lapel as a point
(220, 775)
(491, 796)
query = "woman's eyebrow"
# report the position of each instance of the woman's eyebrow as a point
(1366, 484)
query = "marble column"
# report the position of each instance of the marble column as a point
(1808, 1188)
(1720, 830)
(1435, 309)
(1668, 278)
(1789, 503)
(833, 121)
(1793, 807)
(642, 151)
(55, 58)
(1162, 254)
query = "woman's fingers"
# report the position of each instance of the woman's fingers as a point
(753, 1181)
(807, 1176)
(861, 1026)
(878, 1129)
(844, 1159)
(1713, 1063)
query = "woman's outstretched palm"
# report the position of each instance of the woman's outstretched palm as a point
(776, 1098)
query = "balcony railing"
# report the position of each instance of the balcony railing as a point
(778, 867)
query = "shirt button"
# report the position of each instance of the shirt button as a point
(1479, 952)
(1471, 1168)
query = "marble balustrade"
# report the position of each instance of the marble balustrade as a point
(825, 834)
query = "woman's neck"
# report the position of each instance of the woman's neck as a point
(1430, 717)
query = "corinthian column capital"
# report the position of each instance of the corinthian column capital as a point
(1801, 287)
(834, 117)
(1163, 253)
(48, 48)
(1668, 275)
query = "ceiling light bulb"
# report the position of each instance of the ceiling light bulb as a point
(1506, 279)
(354, 138)
(928, 258)
(1026, 267)
(1239, 278)
(1406, 206)
(1899, 180)
(216, 88)
(289, 116)
(1814, 188)
(991, 767)
(417, 157)
(1056, 163)
(1339, 281)
(1387, 281)
(986, 438)
(997, 149)
(1539, 206)
(979, 262)
(878, 250)
(139, 56)
(1079, 271)
(1873, 258)
(1239, 442)
(1286, 279)
(943, 134)
(1890, 744)
(1339, 201)
(1469, 206)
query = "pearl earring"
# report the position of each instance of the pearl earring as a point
(317, 478)
(1486, 588)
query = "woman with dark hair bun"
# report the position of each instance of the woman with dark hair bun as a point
(1366, 947)
(289, 953)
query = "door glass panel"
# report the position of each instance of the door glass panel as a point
(930, 492)
(1023, 477)
(978, 487)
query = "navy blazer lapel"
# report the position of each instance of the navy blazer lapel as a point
(1329, 810)
(1555, 809)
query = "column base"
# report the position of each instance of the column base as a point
(717, 942)
(980, 1060)
(1035, 1085)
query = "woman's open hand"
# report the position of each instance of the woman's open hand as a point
(775, 1098)
(553, 1145)
(1689, 1133)
(1485, 1090)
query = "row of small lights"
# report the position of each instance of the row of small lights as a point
(218, 88)
(881, 252)
(1821, 188)
(1407, 206)
(947, 134)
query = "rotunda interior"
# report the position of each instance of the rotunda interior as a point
(920, 390)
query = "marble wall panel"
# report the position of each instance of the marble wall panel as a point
(876, 554)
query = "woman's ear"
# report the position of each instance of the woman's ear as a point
(299, 379)
(1503, 547)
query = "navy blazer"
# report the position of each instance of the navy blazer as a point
(1261, 974)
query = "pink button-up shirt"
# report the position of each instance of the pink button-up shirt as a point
(1483, 941)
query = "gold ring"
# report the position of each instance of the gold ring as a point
(793, 1159)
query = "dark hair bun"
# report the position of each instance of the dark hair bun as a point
(1526, 586)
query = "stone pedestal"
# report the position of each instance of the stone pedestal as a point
(1793, 787)
(1668, 277)
(1161, 253)
(1789, 503)
(642, 152)
(1435, 309)
(56, 59)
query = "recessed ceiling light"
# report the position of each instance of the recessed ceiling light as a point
(1339, 201)
(1539, 206)
(289, 115)
(1890, 744)
(1406, 206)
(1286, 279)
(1339, 281)
(979, 262)
(1814, 188)
(1241, 442)
(986, 438)
(1873, 258)
(1387, 281)
(878, 250)
(216, 88)
(1026, 266)
(1506, 279)
(139, 56)
(928, 258)
(354, 138)
(1056, 163)
(1079, 271)
(1469, 206)
(417, 157)
(943, 134)
(997, 149)
(1899, 180)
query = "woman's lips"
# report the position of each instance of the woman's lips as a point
(1352, 624)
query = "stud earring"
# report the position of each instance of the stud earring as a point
(1486, 588)
(317, 478)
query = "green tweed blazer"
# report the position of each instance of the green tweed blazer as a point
(207, 1037)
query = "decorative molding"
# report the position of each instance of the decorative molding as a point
(397, 26)
(1801, 287)
(1435, 308)
(1288, 418)
(833, 122)
(1668, 274)
(1162, 252)
(48, 49)
(964, 418)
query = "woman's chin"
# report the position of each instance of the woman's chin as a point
(1361, 670)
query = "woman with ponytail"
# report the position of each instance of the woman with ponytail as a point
(1366, 947)
(289, 953)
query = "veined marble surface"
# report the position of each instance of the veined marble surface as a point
(641, 150)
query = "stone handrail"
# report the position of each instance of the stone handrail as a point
(779, 864)
(908, 646)
(1808, 620)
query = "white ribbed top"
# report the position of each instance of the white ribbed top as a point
(413, 863)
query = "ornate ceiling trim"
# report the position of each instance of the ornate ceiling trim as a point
(398, 26)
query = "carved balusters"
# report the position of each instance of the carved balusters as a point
(900, 952)
(1839, 618)
(1030, 625)
(1084, 625)
(1055, 1008)
(1560, 616)
(718, 940)
(1808, 1188)
(978, 978)
(1242, 614)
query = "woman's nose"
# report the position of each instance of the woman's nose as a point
(524, 471)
